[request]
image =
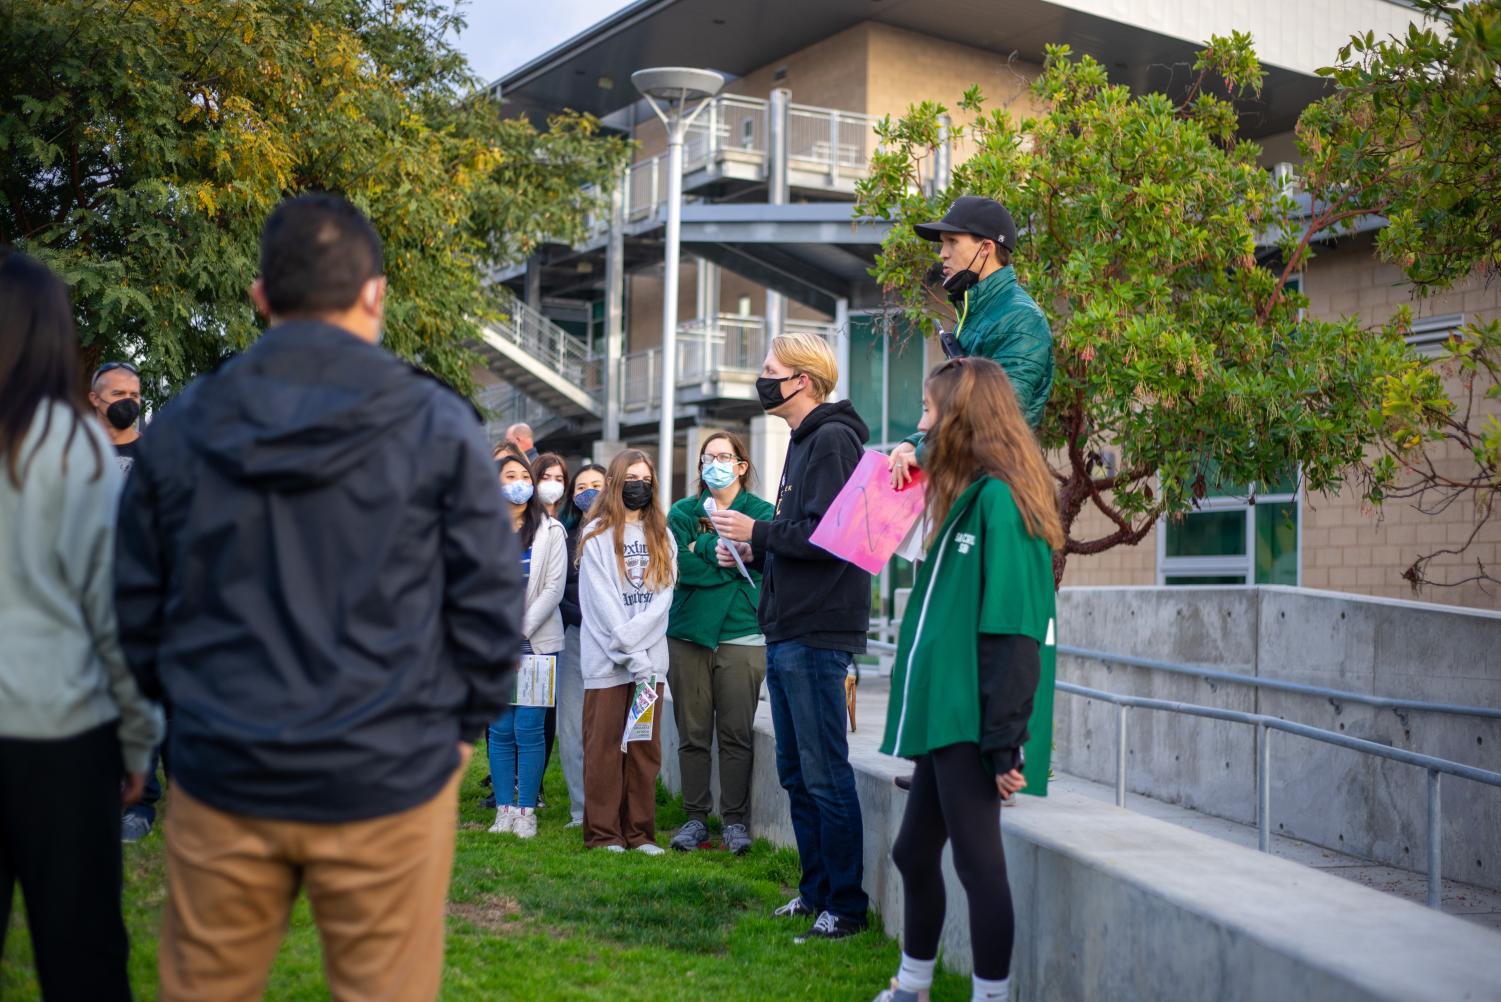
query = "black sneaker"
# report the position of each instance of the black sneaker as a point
(831, 926)
(692, 836)
(903, 782)
(795, 908)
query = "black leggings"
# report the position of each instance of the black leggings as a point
(955, 797)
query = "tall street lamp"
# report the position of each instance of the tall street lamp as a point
(677, 95)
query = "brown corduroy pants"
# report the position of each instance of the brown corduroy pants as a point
(620, 788)
(378, 890)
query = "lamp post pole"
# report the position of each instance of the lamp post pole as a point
(670, 91)
(666, 423)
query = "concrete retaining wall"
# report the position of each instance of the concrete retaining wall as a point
(1116, 906)
(1325, 795)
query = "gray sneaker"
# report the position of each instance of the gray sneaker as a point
(134, 827)
(691, 836)
(736, 839)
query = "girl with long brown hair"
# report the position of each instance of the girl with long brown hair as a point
(627, 568)
(978, 629)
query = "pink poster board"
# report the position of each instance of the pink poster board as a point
(868, 520)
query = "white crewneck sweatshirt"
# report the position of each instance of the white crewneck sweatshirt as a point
(624, 632)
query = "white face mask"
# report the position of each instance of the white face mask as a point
(550, 491)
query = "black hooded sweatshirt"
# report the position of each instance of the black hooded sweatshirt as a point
(808, 594)
(314, 567)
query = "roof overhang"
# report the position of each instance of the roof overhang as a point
(592, 71)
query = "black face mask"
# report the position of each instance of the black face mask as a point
(960, 282)
(636, 494)
(122, 413)
(769, 389)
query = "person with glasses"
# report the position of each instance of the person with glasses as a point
(716, 648)
(115, 395)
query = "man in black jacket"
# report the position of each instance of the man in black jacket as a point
(815, 612)
(314, 567)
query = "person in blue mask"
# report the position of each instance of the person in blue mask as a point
(716, 650)
(516, 738)
(583, 492)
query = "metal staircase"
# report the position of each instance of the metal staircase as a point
(540, 359)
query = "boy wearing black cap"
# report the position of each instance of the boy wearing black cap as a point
(997, 319)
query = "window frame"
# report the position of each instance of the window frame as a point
(1239, 565)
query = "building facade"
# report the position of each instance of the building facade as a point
(771, 243)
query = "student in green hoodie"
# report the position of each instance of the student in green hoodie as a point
(997, 319)
(717, 652)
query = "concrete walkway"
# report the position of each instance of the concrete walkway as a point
(1476, 904)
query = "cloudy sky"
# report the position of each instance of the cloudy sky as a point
(503, 34)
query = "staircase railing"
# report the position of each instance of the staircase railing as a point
(544, 340)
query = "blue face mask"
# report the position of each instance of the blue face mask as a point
(584, 500)
(718, 475)
(517, 491)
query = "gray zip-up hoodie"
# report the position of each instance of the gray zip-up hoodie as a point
(624, 631)
(61, 668)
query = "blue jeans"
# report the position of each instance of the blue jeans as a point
(516, 749)
(806, 689)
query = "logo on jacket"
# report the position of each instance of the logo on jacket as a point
(964, 541)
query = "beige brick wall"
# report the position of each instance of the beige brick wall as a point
(1350, 546)
(1119, 565)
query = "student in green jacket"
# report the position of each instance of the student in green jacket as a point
(717, 653)
(976, 647)
(997, 319)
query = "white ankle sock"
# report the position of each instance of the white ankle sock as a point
(915, 975)
(991, 991)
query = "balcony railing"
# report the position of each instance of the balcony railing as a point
(706, 349)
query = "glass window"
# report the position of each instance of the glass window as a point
(904, 378)
(1277, 543)
(1208, 534)
(1231, 541)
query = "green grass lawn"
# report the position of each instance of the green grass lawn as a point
(546, 919)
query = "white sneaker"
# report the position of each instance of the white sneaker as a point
(505, 820)
(526, 823)
(575, 823)
(650, 849)
(614, 847)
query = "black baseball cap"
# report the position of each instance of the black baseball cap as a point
(980, 217)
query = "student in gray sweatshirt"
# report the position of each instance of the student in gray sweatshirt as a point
(75, 732)
(627, 567)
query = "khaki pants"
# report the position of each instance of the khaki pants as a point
(378, 890)
(714, 694)
(620, 788)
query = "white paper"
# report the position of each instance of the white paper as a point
(641, 717)
(711, 507)
(911, 547)
(536, 680)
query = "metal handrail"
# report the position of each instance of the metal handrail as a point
(1335, 696)
(530, 330)
(1436, 767)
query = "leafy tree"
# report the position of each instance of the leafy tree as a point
(1413, 132)
(143, 143)
(1174, 346)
